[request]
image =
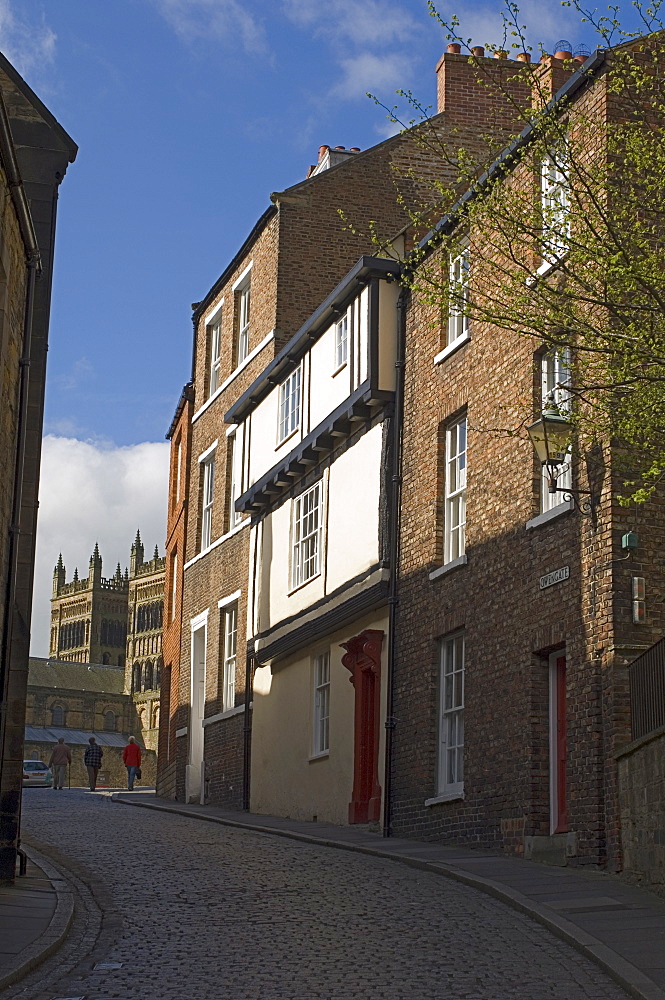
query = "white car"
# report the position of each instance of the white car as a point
(36, 772)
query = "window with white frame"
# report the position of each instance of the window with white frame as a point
(458, 292)
(451, 716)
(234, 454)
(555, 203)
(243, 301)
(455, 491)
(208, 472)
(230, 649)
(321, 703)
(215, 341)
(306, 535)
(555, 392)
(342, 341)
(289, 405)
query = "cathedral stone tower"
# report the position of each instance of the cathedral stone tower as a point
(144, 637)
(89, 616)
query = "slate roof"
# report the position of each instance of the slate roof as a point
(75, 737)
(76, 676)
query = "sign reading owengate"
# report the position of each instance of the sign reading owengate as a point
(556, 576)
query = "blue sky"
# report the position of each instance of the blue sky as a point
(188, 113)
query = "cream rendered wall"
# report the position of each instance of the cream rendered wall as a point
(361, 326)
(328, 389)
(286, 780)
(353, 510)
(388, 295)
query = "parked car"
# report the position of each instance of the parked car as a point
(36, 772)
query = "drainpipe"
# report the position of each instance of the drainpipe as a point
(394, 548)
(11, 667)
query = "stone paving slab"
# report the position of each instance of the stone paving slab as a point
(35, 915)
(634, 958)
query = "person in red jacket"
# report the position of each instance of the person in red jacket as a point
(131, 756)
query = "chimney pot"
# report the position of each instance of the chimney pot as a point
(340, 147)
(580, 59)
(454, 47)
(354, 149)
(524, 57)
(500, 54)
(322, 151)
(563, 54)
(478, 51)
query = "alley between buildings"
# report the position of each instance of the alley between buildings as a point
(192, 910)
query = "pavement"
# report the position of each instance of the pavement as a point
(230, 904)
(35, 916)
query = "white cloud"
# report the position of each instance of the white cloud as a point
(29, 46)
(227, 21)
(373, 23)
(94, 493)
(546, 23)
(370, 73)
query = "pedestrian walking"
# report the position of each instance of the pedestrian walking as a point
(93, 761)
(131, 756)
(61, 757)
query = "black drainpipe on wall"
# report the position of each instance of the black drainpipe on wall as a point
(394, 551)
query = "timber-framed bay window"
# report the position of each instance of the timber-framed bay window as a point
(289, 405)
(458, 295)
(454, 537)
(207, 465)
(555, 366)
(321, 715)
(306, 535)
(555, 203)
(450, 773)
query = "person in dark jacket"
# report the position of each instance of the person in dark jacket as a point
(131, 756)
(93, 761)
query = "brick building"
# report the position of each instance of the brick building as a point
(294, 257)
(35, 152)
(514, 625)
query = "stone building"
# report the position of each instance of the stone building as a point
(75, 701)
(35, 152)
(145, 612)
(89, 615)
(115, 621)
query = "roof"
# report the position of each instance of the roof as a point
(77, 737)
(24, 105)
(98, 677)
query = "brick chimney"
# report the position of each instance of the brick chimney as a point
(550, 75)
(474, 93)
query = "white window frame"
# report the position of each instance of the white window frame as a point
(306, 535)
(235, 477)
(454, 543)
(215, 337)
(458, 291)
(555, 367)
(342, 341)
(555, 203)
(290, 405)
(243, 293)
(450, 770)
(321, 707)
(230, 639)
(208, 471)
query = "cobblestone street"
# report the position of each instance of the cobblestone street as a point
(193, 910)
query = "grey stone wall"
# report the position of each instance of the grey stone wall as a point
(641, 777)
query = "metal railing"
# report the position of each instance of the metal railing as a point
(647, 690)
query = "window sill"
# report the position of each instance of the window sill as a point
(287, 438)
(294, 590)
(218, 541)
(228, 714)
(340, 368)
(549, 515)
(445, 797)
(449, 567)
(451, 348)
(318, 756)
(181, 732)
